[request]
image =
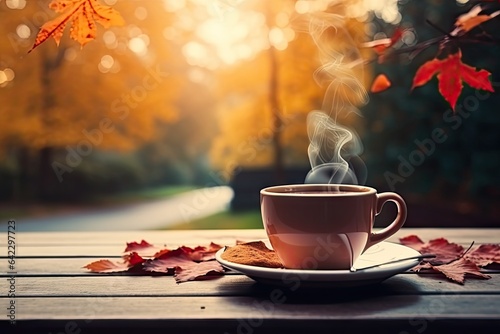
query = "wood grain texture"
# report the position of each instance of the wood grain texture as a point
(229, 285)
(189, 237)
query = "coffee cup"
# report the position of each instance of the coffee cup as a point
(325, 226)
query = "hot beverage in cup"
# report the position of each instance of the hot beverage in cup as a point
(325, 226)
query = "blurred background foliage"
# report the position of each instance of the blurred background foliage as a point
(200, 92)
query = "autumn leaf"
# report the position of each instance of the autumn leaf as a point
(131, 262)
(450, 73)
(205, 253)
(484, 255)
(168, 261)
(82, 15)
(451, 259)
(468, 21)
(184, 262)
(198, 271)
(380, 84)
(444, 250)
(457, 270)
(412, 241)
(134, 246)
(133, 259)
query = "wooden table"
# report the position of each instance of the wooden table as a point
(54, 294)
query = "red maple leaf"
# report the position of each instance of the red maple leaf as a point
(198, 271)
(457, 270)
(450, 73)
(187, 263)
(484, 255)
(451, 259)
(412, 241)
(205, 253)
(133, 258)
(131, 262)
(444, 250)
(134, 246)
(184, 262)
(168, 261)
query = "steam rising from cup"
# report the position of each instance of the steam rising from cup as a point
(334, 149)
(333, 152)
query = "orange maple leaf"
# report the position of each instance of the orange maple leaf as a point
(83, 16)
(468, 21)
(450, 73)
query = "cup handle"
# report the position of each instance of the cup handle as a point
(382, 198)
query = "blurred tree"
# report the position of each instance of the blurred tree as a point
(264, 102)
(455, 173)
(64, 102)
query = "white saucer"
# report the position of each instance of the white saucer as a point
(379, 253)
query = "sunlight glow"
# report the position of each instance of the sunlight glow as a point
(386, 10)
(109, 39)
(173, 5)
(240, 35)
(139, 44)
(108, 65)
(141, 13)
(15, 4)
(70, 54)
(307, 6)
(23, 31)
(6, 76)
(277, 38)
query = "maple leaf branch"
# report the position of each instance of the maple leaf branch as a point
(445, 38)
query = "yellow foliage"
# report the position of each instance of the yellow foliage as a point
(245, 114)
(103, 93)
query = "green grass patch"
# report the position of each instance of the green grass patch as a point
(223, 220)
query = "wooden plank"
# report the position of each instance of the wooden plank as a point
(417, 324)
(234, 285)
(86, 246)
(118, 238)
(311, 306)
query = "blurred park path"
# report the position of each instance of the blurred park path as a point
(156, 214)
